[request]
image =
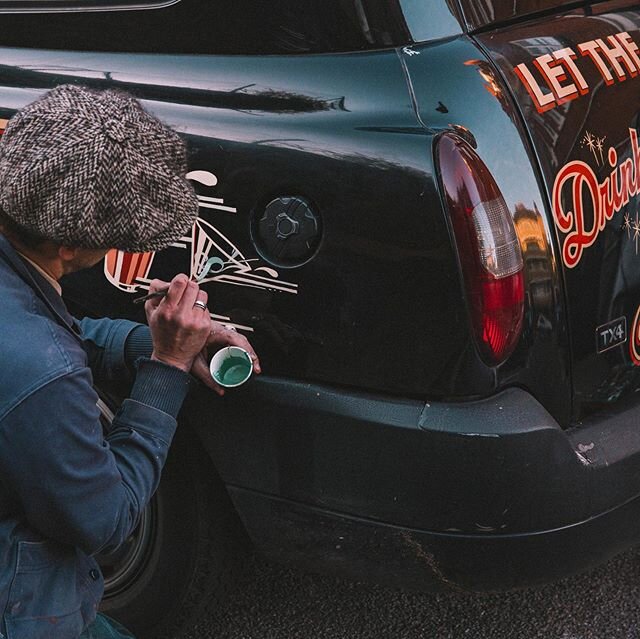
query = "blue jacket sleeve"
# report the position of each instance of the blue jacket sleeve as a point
(112, 346)
(76, 485)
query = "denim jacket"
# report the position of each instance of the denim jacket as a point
(66, 490)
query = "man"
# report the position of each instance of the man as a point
(83, 172)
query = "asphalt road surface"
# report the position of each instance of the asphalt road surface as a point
(277, 603)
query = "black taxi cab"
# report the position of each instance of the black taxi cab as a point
(424, 216)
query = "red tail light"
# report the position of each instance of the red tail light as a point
(488, 248)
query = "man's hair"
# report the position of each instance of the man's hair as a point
(24, 236)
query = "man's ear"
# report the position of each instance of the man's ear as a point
(67, 253)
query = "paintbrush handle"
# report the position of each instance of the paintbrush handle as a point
(150, 296)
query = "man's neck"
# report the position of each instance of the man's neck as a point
(46, 267)
(49, 264)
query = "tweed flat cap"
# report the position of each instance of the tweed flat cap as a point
(93, 169)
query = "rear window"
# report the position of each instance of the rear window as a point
(44, 6)
(481, 13)
(246, 27)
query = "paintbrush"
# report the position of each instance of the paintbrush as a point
(161, 293)
(150, 296)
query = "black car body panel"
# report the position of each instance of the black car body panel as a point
(353, 157)
(377, 431)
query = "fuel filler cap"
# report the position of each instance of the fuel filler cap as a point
(287, 233)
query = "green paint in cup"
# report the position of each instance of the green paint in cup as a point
(231, 366)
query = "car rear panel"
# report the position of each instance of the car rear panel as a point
(581, 113)
(378, 305)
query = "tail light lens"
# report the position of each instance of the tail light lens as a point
(488, 248)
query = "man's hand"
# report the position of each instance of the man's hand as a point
(179, 328)
(219, 337)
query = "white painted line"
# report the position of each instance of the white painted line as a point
(243, 281)
(206, 198)
(229, 209)
(259, 279)
(225, 320)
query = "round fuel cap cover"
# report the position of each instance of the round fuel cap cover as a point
(287, 232)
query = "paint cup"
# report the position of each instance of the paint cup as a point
(231, 366)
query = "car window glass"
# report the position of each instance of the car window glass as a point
(437, 20)
(44, 6)
(218, 27)
(479, 13)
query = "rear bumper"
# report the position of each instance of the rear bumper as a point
(479, 495)
(322, 541)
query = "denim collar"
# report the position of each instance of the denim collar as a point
(39, 284)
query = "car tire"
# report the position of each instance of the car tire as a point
(184, 556)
